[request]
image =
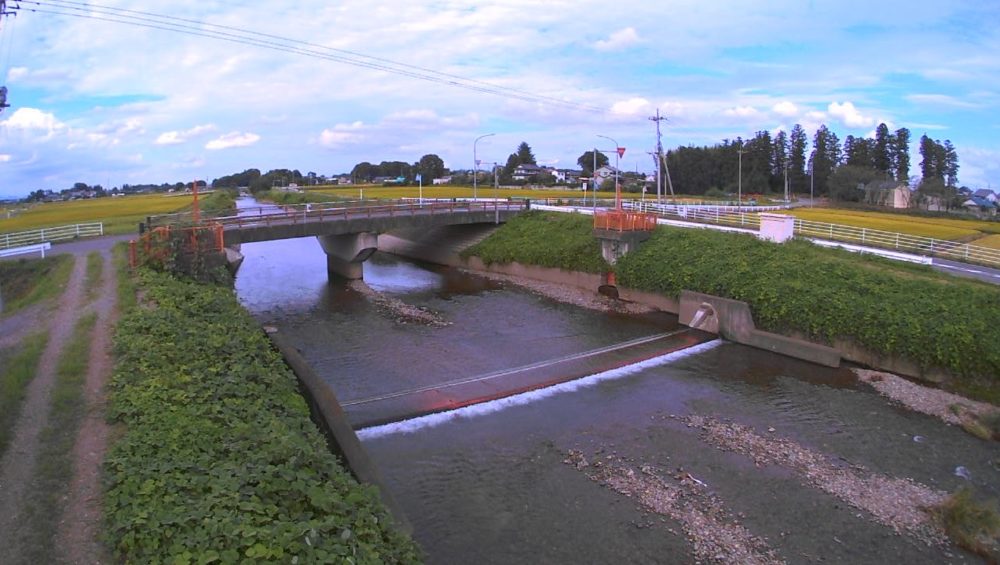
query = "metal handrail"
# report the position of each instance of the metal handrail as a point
(32, 237)
(300, 213)
(944, 248)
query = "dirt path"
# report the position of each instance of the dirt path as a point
(17, 466)
(77, 540)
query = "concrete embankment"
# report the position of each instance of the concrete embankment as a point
(732, 318)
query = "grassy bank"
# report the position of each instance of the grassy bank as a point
(24, 282)
(17, 367)
(219, 458)
(54, 466)
(893, 308)
(554, 240)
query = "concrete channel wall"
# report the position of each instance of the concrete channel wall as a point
(735, 318)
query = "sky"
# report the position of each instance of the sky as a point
(102, 102)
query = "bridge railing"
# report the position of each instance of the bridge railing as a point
(328, 211)
(929, 246)
(61, 233)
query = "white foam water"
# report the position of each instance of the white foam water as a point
(483, 408)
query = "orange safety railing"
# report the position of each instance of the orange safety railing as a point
(621, 221)
(158, 243)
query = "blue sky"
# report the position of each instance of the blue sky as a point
(105, 103)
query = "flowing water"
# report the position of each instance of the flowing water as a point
(488, 484)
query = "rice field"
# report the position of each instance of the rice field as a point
(991, 241)
(119, 215)
(939, 228)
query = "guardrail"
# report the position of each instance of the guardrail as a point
(943, 248)
(32, 237)
(36, 248)
(268, 215)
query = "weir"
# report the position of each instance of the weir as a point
(467, 391)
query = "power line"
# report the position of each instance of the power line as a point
(232, 34)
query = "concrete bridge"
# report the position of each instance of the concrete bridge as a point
(349, 233)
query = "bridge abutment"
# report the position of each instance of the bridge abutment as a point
(346, 253)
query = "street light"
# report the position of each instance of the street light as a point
(617, 197)
(475, 164)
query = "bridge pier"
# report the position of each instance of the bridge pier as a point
(346, 254)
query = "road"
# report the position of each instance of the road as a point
(978, 272)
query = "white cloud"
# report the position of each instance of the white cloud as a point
(742, 112)
(785, 109)
(233, 139)
(341, 134)
(4, 158)
(630, 107)
(941, 100)
(33, 119)
(849, 115)
(176, 137)
(618, 40)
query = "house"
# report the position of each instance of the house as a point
(566, 176)
(980, 205)
(526, 172)
(606, 171)
(442, 180)
(900, 196)
(985, 194)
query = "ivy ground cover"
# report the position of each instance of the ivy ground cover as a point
(219, 460)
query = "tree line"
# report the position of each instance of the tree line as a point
(766, 164)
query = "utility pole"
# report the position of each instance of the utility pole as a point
(659, 154)
(786, 180)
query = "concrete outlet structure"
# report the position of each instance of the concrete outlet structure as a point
(777, 227)
(346, 253)
(615, 244)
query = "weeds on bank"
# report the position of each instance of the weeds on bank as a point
(19, 366)
(54, 465)
(971, 524)
(95, 266)
(29, 281)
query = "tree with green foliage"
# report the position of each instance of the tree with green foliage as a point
(882, 149)
(796, 163)
(901, 154)
(859, 152)
(586, 162)
(856, 183)
(826, 156)
(431, 167)
(779, 156)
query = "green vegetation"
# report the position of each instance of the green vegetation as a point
(973, 525)
(54, 466)
(557, 240)
(796, 288)
(828, 294)
(29, 281)
(219, 460)
(126, 284)
(19, 367)
(95, 265)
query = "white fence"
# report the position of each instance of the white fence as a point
(733, 216)
(32, 237)
(36, 248)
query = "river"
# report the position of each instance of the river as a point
(491, 485)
